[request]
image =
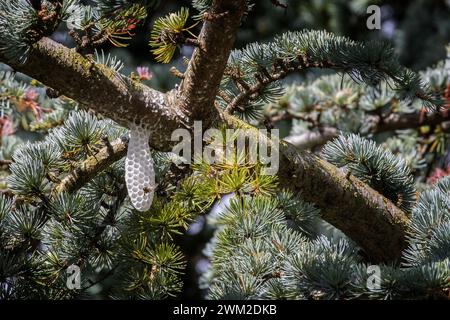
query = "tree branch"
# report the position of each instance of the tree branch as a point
(199, 88)
(363, 214)
(368, 218)
(93, 165)
(118, 97)
(311, 139)
(246, 94)
(395, 121)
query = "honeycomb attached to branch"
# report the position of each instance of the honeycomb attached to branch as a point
(139, 171)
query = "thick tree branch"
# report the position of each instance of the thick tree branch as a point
(363, 214)
(199, 88)
(94, 85)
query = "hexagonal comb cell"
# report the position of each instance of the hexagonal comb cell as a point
(139, 171)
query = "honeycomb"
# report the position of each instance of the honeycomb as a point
(139, 171)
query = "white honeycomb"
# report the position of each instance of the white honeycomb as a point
(139, 171)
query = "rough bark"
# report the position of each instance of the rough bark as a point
(199, 88)
(362, 213)
(371, 220)
(100, 88)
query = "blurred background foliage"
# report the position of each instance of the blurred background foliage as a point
(419, 29)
